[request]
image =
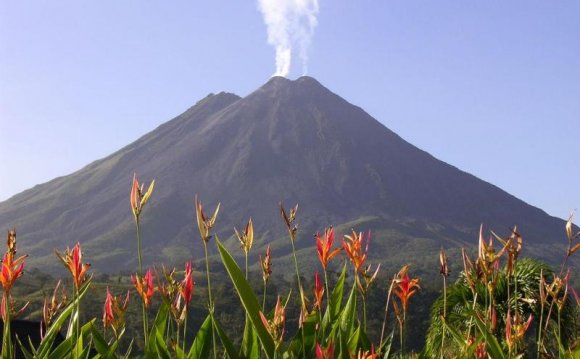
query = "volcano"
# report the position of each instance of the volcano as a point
(290, 142)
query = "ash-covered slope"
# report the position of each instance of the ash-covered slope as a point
(293, 141)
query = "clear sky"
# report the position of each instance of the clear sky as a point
(491, 87)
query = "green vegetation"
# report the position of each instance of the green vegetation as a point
(500, 306)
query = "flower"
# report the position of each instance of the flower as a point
(324, 245)
(276, 326)
(204, 223)
(443, 269)
(369, 279)
(266, 264)
(325, 353)
(405, 287)
(247, 237)
(72, 260)
(139, 198)
(353, 247)
(515, 329)
(318, 291)
(186, 288)
(114, 312)
(366, 355)
(289, 219)
(52, 306)
(144, 286)
(12, 269)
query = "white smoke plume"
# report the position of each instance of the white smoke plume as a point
(290, 25)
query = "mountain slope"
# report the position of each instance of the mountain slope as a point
(293, 141)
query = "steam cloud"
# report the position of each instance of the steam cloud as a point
(290, 24)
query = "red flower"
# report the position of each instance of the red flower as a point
(324, 245)
(318, 292)
(325, 353)
(186, 289)
(114, 312)
(405, 287)
(144, 286)
(266, 264)
(276, 326)
(72, 260)
(353, 247)
(12, 269)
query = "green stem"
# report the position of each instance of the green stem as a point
(184, 331)
(559, 334)
(211, 304)
(143, 309)
(246, 266)
(540, 330)
(444, 315)
(264, 297)
(6, 338)
(303, 305)
(386, 312)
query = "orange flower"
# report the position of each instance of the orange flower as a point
(138, 197)
(353, 247)
(324, 245)
(144, 286)
(325, 353)
(318, 291)
(114, 312)
(405, 287)
(72, 260)
(515, 330)
(12, 269)
(204, 223)
(276, 326)
(366, 355)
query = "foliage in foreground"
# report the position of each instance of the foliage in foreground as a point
(520, 308)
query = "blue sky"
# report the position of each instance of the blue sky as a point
(491, 87)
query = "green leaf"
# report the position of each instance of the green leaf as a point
(386, 345)
(248, 299)
(250, 347)
(159, 326)
(46, 345)
(226, 342)
(347, 317)
(352, 343)
(202, 342)
(493, 346)
(309, 331)
(337, 293)
(71, 344)
(161, 347)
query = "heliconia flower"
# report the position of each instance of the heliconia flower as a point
(72, 260)
(405, 287)
(481, 351)
(318, 292)
(52, 306)
(443, 269)
(276, 326)
(515, 329)
(247, 237)
(353, 247)
(186, 289)
(325, 353)
(114, 312)
(138, 197)
(324, 246)
(493, 317)
(12, 269)
(204, 223)
(366, 355)
(289, 219)
(266, 264)
(13, 313)
(145, 287)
